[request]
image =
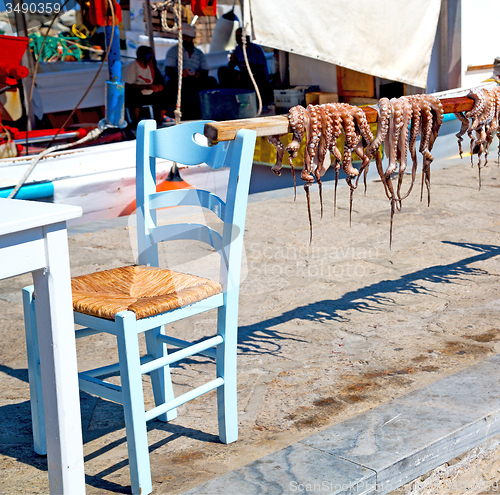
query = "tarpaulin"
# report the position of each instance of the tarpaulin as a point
(391, 39)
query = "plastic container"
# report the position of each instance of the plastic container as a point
(284, 99)
(228, 104)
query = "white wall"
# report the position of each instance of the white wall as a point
(480, 43)
(305, 71)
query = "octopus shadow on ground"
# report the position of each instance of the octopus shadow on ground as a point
(376, 297)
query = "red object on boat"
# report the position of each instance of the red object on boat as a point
(12, 49)
(17, 134)
(204, 7)
(99, 12)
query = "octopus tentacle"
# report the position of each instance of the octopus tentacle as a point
(384, 111)
(280, 152)
(403, 142)
(478, 95)
(298, 119)
(425, 137)
(362, 149)
(493, 126)
(313, 135)
(437, 122)
(351, 139)
(414, 101)
(336, 130)
(463, 129)
(482, 121)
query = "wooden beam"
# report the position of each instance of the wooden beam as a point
(278, 124)
(471, 68)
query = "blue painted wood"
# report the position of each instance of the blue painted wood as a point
(160, 378)
(133, 403)
(183, 344)
(179, 355)
(103, 389)
(184, 144)
(181, 313)
(183, 197)
(187, 231)
(182, 399)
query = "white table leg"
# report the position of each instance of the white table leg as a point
(59, 371)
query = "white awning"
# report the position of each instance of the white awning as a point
(391, 39)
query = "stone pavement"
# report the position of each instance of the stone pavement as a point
(327, 332)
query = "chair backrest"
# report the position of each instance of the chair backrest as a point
(186, 145)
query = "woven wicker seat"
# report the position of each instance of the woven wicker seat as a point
(145, 290)
(145, 300)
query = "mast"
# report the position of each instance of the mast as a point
(115, 87)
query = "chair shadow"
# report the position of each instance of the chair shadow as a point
(18, 443)
(252, 339)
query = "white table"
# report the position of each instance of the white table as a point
(33, 238)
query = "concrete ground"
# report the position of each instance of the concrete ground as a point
(326, 331)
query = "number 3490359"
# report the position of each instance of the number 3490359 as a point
(33, 8)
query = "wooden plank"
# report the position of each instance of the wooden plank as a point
(263, 126)
(471, 68)
(278, 124)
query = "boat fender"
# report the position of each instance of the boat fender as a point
(224, 34)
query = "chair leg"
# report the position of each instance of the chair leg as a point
(133, 403)
(227, 406)
(33, 354)
(160, 378)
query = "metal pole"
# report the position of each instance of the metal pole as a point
(149, 25)
(444, 58)
(27, 61)
(115, 88)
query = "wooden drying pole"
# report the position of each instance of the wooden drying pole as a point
(278, 124)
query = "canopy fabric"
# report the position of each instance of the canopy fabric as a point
(391, 39)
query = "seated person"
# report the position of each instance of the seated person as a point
(144, 85)
(194, 76)
(236, 75)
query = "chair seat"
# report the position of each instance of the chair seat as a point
(145, 290)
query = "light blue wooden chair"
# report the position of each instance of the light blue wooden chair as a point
(165, 296)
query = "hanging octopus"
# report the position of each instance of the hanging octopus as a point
(483, 121)
(494, 126)
(296, 118)
(431, 112)
(332, 129)
(358, 136)
(395, 133)
(384, 113)
(400, 121)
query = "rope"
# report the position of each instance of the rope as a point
(163, 7)
(180, 60)
(247, 63)
(9, 152)
(90, 136)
